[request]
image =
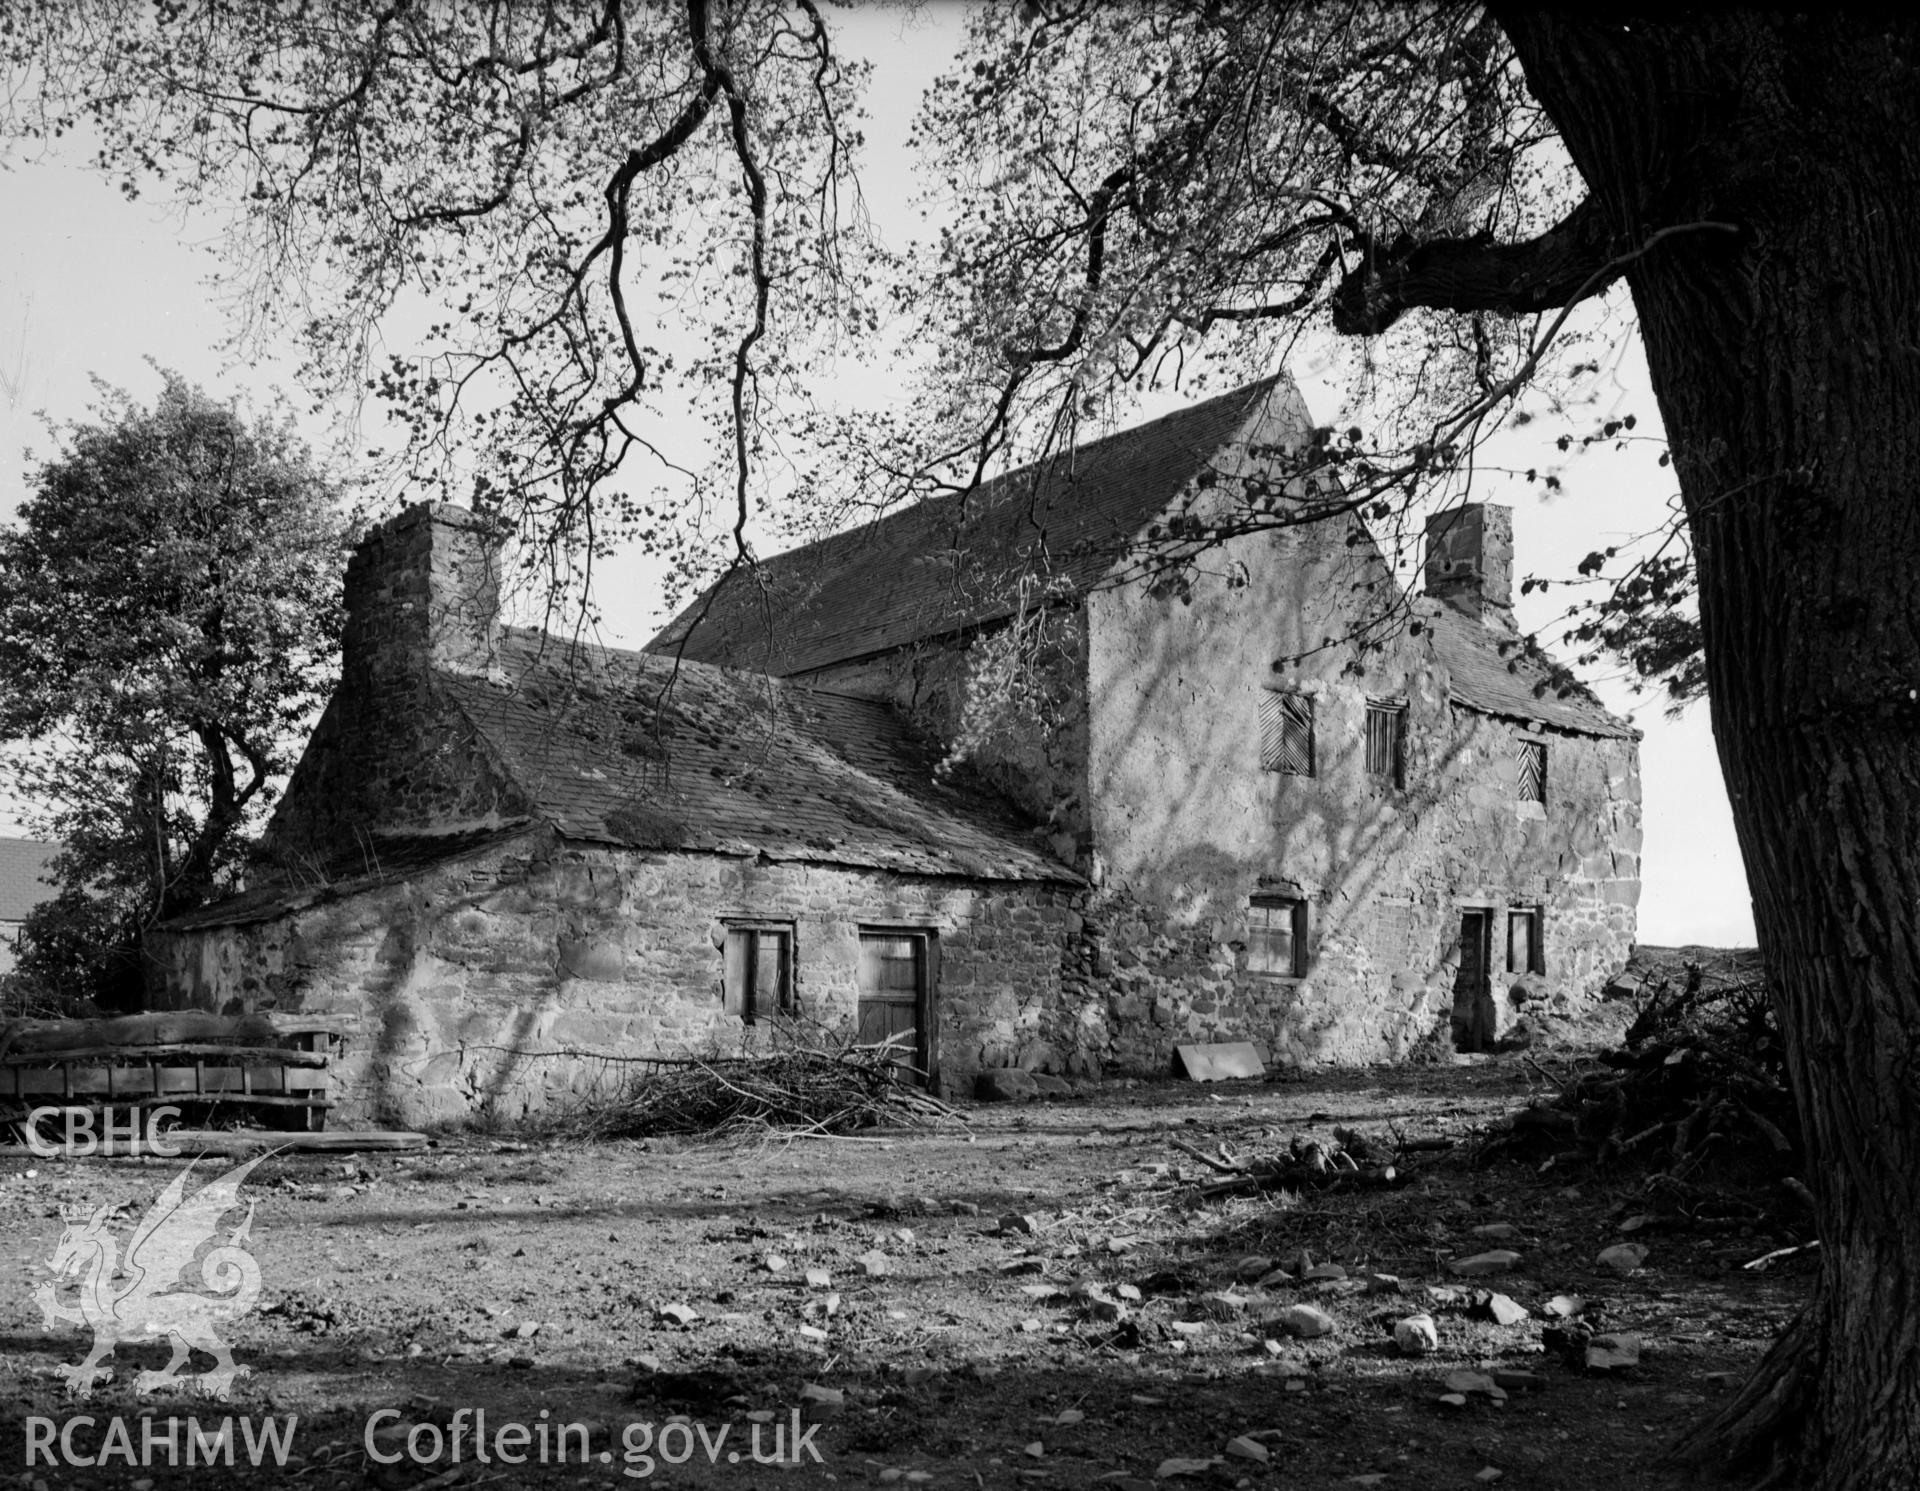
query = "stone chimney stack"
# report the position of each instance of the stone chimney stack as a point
(423, 595)
(1470, 561)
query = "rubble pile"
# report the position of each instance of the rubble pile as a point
(1697, 1096)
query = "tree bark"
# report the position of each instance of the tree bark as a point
(1786, 362)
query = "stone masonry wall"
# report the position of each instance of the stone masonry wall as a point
(459, 972)
(1188, 826)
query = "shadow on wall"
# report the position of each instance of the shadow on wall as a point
(1198, 826)
(1355, 992)
(428, 1060)
(393, 1020)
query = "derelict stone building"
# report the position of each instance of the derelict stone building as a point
(989, 785)
(1328, 849)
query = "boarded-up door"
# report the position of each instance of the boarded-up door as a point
(896, 995)
(1473, 984)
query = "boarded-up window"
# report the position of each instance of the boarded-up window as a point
(1386, 741)
(1286, 733)
(1530, 761)
(1523, 942)
(1277, 936)
(759, 972)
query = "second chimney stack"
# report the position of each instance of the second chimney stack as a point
(1470, 561)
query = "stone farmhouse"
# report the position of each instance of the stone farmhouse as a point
(1028, 779)
(1328, 851)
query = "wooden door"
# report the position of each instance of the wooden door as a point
(896, 996)
(1473, 983)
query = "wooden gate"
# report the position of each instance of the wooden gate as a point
(896, 996)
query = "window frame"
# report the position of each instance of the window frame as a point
(1534, 748)
(786, 1001)
(1536, 945)
(1395, 710)
(1279, 710)
(1299, 925)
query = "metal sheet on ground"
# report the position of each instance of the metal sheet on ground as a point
(1218, 1063)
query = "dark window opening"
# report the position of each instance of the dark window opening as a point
(1530, 759)
(759, 972)
(1524, 953)
(1286, 734)
(1386, 742)
(1277, 936)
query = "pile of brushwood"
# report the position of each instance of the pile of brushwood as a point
(1697, 1096)
(794, 1091)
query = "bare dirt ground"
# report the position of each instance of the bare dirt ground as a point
(528, 1279)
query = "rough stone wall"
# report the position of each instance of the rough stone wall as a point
(1469, 561)
(1187, 826)
(546, 946)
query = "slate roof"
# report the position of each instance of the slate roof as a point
(385, 861)
(744, 764)
(1498, 675)
(941, 566)
(951, 562)
(22, 861)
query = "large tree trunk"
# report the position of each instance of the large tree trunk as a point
(1786, 359)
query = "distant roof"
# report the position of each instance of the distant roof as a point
(22, 862)
(952, 562)
(745, 764)
(1502, 675)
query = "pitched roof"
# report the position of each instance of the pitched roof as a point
(1503, 675)
(22, 862)
(743, 764)
(951, 562)
(373, 863)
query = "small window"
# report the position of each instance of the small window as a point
(1277, 936)
(1386, 742)
(758, 973)
(1530, 760)
(1524, 954)
(1286, 733)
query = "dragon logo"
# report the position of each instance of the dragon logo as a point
(148, 1296)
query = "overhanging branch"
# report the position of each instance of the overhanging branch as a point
(1566, 263)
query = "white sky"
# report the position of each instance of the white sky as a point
(92, 284)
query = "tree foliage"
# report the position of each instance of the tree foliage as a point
(169, 623)
(598, 214)
(540, 191)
